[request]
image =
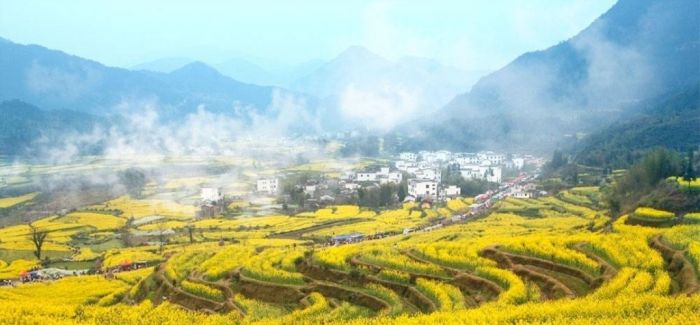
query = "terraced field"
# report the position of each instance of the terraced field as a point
(532, 260)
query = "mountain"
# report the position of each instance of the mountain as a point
(265, 72)
(247, 71)
(164, 65)
(55, 80)
(637, 50)
(415, 85)
(670, 121)
(23, 126)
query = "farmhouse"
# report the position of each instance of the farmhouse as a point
(366, 177)
(268, 185)
(210, 195)
(422, 188)
(408, 156)
(451, 191)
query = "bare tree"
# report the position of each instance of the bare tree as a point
(190, 232)
(161, 237)
(38, 237)
(125, 232)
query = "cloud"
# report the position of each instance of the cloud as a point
(139, 130)
(380, 108)
(616, 74)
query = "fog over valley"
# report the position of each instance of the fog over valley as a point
(354, 162)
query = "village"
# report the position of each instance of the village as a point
(414, 177)
(409, 177)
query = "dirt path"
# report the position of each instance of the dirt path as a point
(550, 287)
(678, 266)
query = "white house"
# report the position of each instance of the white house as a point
(443, 155)
(518, 163)
(310, 189)
(210, 195)
(392, 177)
(352, 186)
(451, 191)
(268, 185)
(404, 165)
(409, 156)
(494, 158)
(490, 173)
(493, 174)
(431, 174)
(395, 177)
(348, 175)
(422, 188)
(366, 177)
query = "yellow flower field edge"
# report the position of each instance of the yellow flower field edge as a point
(8, 202)
(692, 218)
(651, 215)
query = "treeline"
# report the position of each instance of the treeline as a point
(468, 187)
(385, 195)
(670, 121)
(25, 129)
(646, 184)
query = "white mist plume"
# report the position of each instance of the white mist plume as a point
(142, 132)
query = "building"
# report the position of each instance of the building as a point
(422, 188)
(351, 186)
(491, 174)
(518, 163)
(405, 165)
(384, 171)
(524, 194)
(268, 185)
(494, 158)
(467, 159)
(451, 191)
(310, 189)
(428, 174)
(210, 195)
(212, 202)
(408, 156)
(395, 177)
(366, 177)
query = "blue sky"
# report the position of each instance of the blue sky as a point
(468, 34)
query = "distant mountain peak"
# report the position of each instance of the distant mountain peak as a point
(358, 53)
(197, 69)
(165, 65)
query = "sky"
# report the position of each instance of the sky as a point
(471, 35)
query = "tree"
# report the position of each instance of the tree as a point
(38, 237)
(689, 171)
(134, 180)
(403, 190)
(190, 232)
(558, 160)
(570, 174)
(125, 232)
(643, 178)
(161, 237)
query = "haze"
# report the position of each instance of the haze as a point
(471, 35)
